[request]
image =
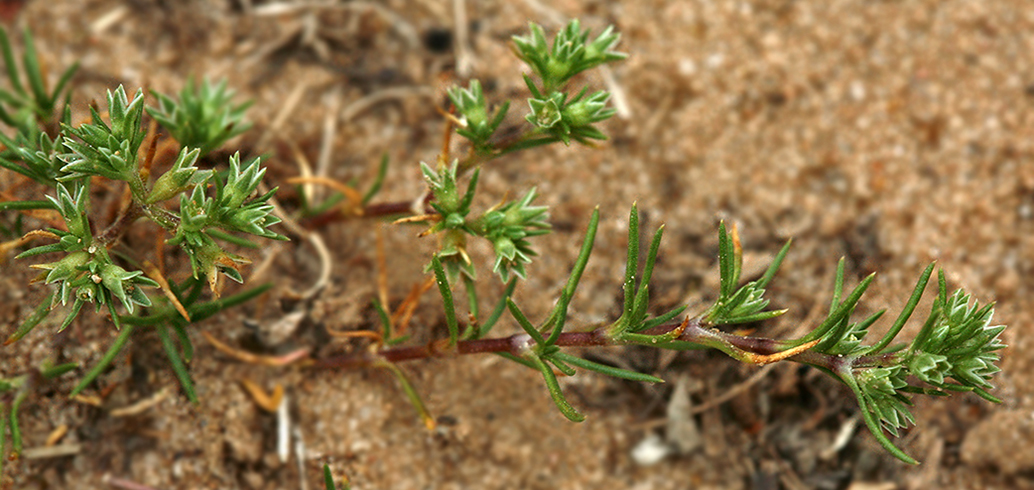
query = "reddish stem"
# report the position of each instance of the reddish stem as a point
(375, 210)
(515, 344)
(115, 231)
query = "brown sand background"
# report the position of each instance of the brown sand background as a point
(891, 133)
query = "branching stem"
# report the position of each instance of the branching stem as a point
(740, 347)
(115, 230)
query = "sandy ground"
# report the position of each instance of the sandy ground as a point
(890, 133)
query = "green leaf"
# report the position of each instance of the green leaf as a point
(234, 239)
(32, 70)
(411, 393)
(382, 315)
(176, 360)
(524, 323)
(13, 425)
(727, 263)
(774, 266)
(560, 365)
(839, 313)
(205, 310)
(560, 314)
(906, 312)
(375, 187)
(25, 205)
(660, 320)
(519, 360)
(34, 319)
(631, 261)
(109, 356)
(605, 369)
(12, 68)
(185, 344)
(555, 392)
(52, 372)
(583, 255)
(446, 292)
(498, 310)
(651, 257)
(328, 479)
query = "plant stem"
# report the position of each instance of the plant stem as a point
(115, 231)
(694, 332)
(375, 210)
(165, 218)
(523, 140)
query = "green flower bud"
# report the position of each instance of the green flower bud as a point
(65, 269)
(181, 177)
(587, 111)
(544, 113)
(505, 248)
(119, 281)
(929, 367)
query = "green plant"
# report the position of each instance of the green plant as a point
(328, 480)
(27, 108)
(955, 351)
(205, 116)
(32, 151)
(19, 388)
(90, 267)
(87, 271)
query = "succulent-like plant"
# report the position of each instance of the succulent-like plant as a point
(204, 117)
(200, 210)
(956, 350)
(87, 263)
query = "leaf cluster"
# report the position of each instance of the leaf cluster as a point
(957, 343)
(204, 117)
(570, 54)
(25, 108)
(554, 113)
(477, 125)
(30, 109)
(508, 226)
(538, 349)
(201, 217)
(555, 117)
(744, 304)
(33, 153)
(108, 150)
(88, 263)
(956, 350)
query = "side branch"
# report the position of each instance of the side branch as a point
(739, 347)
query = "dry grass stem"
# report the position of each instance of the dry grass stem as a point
(142, 405)
(248, 357)
(267, 401)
